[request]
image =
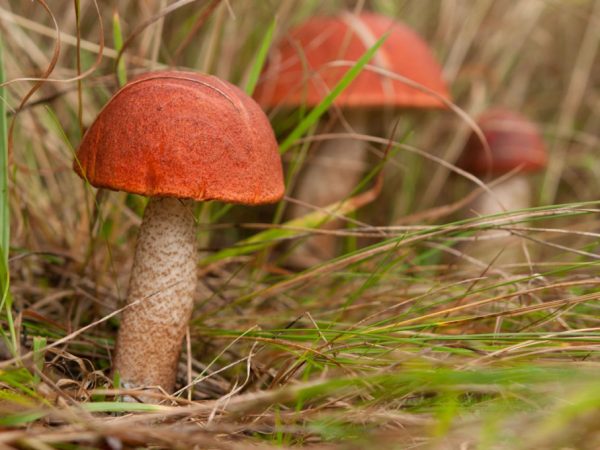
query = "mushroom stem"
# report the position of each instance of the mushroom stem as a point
(330, 176)
(510, 195)
(161, 289)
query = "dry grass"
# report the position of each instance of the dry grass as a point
(396, 343)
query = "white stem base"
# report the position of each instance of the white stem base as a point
(513, 194)
(162, 285)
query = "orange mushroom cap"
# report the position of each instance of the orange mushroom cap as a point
(186, 135)
(514, 142)
(303, 69)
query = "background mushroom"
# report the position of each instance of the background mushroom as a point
(174, 136)
(515, 143)
(309, 63)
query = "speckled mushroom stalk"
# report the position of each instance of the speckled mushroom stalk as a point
(160, 296)
(175, 137)
(309, 63)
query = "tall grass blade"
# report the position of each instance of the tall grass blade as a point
(5, 298)
(118, 41)
(4, 211)
(260, 59)
(78, 65)
(39, 343)
(312, 117)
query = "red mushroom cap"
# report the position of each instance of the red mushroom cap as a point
(514, 142)
(300, 70)
(186, 135)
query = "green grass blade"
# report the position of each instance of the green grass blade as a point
(4, 211)
(260, 59)
(22, 418)
(77, 7)
(118, 41)
(39, 343)
(115, 407)
(13, 420)
(5, 297)
(312, 117)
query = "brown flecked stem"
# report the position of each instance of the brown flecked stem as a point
(330, 176)
(163, 281)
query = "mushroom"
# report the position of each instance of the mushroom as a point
(515, 144)
(174, 137)
(304, 68)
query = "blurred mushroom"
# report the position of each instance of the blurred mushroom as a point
(304, 68)
(174, 137)
(515, 144)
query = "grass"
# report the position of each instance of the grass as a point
(4, 163)
(9, 336)
(409, 338)
(121, 69)
(260, 59)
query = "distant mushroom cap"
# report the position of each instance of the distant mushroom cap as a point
(186, 135)
(514, 142)
(302, 70)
